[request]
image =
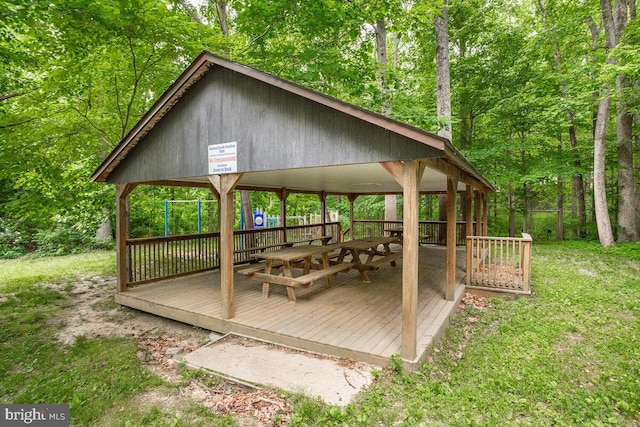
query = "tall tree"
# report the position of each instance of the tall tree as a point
(627, 202)
(605, 233)
(443, 80)
(390, 200)
(443, 92)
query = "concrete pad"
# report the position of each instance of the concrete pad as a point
(248, 361)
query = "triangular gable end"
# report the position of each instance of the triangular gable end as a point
(276, 125)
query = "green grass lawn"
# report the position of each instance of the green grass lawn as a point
(98, 377)
(568, 355)
(28, 271)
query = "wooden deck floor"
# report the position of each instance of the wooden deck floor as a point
(356, 320)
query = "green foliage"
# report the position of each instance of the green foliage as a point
(80, 74)
(396, 364)
(11, 242)
(62, 240)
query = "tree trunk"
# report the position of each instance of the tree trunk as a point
(390, 208)
(627, 223)
(512, 211)
(221, 12)
(599, 178)
(560, 202)
(526, 227)
(191, 11)
(381, 55)
(601, 209)
(443, 82)
(465, 109)
(247, 210)
(578, 181)
(390, 200)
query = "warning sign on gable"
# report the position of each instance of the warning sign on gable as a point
(223, 158)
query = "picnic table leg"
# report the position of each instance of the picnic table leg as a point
(371, 253)
(265, 285)
(343, 253)
(361, 267)
(387, 251)
(291, 293)
(325, 264)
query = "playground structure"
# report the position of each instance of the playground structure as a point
(179, 226)
(309, 219)
(260, 220)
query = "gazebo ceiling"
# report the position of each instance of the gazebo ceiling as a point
(370, 178)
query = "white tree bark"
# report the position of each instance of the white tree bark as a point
(390, 200)
(443, 82)
(601, 209)
(599, 179)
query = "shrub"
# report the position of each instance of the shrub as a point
(11, 242)
(62, 240)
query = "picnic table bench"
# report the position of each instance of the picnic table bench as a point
(298, 257)
(399, 231)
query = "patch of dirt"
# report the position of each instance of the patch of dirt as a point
(91, 312)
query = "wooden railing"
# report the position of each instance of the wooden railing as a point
(430, 232)
(157, 258)
(500, 264)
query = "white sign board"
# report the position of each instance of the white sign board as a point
(223, 158)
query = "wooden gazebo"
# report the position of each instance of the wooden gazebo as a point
(226, 126)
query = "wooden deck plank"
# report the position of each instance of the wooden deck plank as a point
(353, 319)
(350, 319)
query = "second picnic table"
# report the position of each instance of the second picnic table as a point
(296, 256)
(369, 246)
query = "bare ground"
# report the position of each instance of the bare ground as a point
(91, 312)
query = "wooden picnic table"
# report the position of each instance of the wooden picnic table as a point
(369, 246)
(299, 257)
(394, 232)
(397, 232)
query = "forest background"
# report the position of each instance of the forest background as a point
(545, 99)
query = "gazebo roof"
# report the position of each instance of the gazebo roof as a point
(285, 135)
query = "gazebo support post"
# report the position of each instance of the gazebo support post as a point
(224, 185)
(282, 196)
(485, 216)
(468, 212)
(122, 232)
(323, 211)
(478, 214)
(452, 184)
(352, 197)
(409, 174)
